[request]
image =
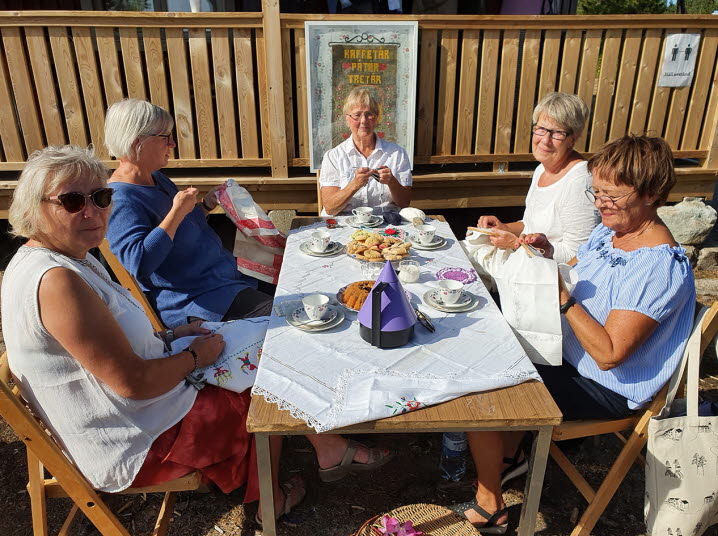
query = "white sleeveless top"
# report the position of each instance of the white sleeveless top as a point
(107, 436)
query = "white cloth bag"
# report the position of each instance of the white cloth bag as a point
(682, 459)
(528, 288)
(236, 367)
(486, 258)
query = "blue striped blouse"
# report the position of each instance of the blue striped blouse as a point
(657, 282)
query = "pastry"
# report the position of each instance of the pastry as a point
(356, 293)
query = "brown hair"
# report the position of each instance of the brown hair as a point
(643, 162)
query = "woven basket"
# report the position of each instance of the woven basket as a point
(431, 519)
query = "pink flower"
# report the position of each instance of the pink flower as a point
(407, 529)
(389, 525)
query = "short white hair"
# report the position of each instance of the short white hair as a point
(45, 171)
(568, 111)
(132, 119)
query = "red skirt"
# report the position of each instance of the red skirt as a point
(212, 439)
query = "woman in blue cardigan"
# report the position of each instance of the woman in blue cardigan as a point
(161, 235)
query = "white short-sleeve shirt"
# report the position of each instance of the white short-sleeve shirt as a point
(340, 163)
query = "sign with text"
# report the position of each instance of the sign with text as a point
(679, 60)
(379, 56)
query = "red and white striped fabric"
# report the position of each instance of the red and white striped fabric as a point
(258, 245)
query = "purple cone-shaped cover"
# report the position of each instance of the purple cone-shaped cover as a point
(396, 312)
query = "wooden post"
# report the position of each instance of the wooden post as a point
(275, 87)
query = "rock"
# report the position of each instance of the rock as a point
(707, 259)
(690, 221)
(692, 254)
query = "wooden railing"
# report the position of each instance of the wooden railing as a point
(236, 86)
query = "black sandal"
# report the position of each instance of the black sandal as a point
(516, 467)
(489, 526)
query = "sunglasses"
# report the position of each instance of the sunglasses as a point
(74, 202)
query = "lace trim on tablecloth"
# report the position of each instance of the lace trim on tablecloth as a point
(292, 409)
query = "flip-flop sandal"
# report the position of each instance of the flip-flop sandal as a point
(287, 487)
(516, 466)
(488, 527)
(376, 459)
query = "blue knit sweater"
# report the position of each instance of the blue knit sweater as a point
(192, 275)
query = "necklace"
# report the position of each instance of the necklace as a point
(88, 264)
(632, 237)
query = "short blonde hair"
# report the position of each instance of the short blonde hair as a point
(45, 171)
(131, 119)
(360, 96)
(569, 111)
(642, 162)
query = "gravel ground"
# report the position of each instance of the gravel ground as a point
(339, 509)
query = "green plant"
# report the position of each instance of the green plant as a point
(617, 7)
(126, 5)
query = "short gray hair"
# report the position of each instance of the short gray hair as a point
(360, 96)
(130, 119)
(569, 111)
(45, 171)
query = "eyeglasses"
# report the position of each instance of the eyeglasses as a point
(168, 137)
(357, 117)
(555, 134)
(607, 200)
(74, 202)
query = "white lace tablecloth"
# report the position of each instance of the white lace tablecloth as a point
(334, 378)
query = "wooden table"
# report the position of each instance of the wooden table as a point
(527, 406)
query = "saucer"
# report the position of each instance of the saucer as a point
(466, 302)
(373, 222)
(436, 244)
(300, 320)
(332, 249)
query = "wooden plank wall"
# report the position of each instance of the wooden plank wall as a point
(237, 100)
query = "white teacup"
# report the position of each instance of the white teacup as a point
(320, 241)
(425, 234)
(315, 305)
(450, 290)
(363, 214)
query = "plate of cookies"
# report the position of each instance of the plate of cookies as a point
(374, 247)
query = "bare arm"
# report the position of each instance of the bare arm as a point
(335, 198)
(74, 314)
(611, 344)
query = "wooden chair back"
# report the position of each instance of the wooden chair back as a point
(320, 203)
(67, 481)
(633, 443)
(129, 282)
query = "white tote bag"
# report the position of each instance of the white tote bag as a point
(236, 367)
(486, 258)
(528, 288)
(682, 460)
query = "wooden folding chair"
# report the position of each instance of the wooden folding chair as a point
(636, 426)
(66, 481)
(129, 282)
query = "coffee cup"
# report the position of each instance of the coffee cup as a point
(425, 234)
(315, 305)
(363, 214)
(450, 291)
(319, 241)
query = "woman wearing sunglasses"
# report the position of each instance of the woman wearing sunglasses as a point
(365, 170)
(85, 356)
(161, 234)
(625, 324)
(555, 204)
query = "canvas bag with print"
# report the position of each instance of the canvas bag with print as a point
(682, 459)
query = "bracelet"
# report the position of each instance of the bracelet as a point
(204, 205)
(194, 356)
(566, 306)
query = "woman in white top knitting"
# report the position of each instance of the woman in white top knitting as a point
(555, 205)
(87, 360)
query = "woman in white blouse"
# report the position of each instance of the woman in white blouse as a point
(364, 170)
(555, 205)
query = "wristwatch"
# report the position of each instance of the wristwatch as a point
(566, 306)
